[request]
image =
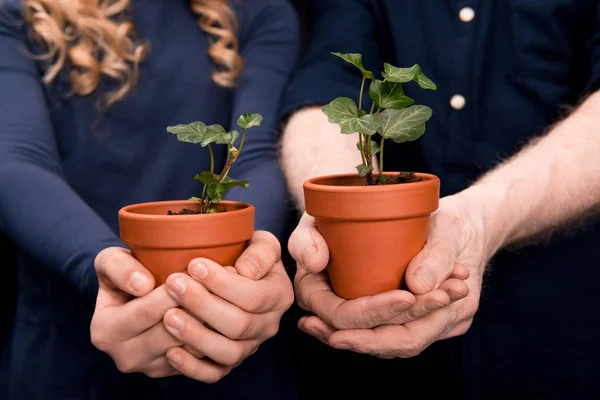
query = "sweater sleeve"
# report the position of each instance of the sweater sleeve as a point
(269, 54)
(342, 26)
(39, 211)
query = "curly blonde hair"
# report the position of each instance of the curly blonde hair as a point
(94, 38)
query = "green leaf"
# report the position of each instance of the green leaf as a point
(246, 121)
(206, 177)
(363, 169)
(228, 182)
(356, 60)
(374, 147)
(403, 75)
(389, 95)
(404, 125)
(190, 133)
(344, 112)
(195, 199)
(217, 134)
(216, 191)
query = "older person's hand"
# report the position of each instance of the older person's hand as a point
(444, 280)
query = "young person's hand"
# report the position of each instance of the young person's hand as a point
(127, 321)
(240, 307)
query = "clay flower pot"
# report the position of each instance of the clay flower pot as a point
(165, 244)
(372, 232)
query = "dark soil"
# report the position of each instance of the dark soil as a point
(185, 211)
(403, 177)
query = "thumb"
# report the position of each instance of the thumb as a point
(119, 274)
(307, 246)
(435, 263)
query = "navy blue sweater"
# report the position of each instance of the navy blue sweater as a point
(66, 169)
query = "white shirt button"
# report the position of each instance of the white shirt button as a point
(466, 14)
(458, 102)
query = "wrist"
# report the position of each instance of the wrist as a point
(490, 211)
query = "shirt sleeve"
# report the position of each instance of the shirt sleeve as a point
(270, 54)
(39, 211)
(342, 26)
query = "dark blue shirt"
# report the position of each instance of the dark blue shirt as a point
(66, 169)
(516, 63)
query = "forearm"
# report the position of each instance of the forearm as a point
(49, 222)
(311, 146)
(553, 181)
(267, 193)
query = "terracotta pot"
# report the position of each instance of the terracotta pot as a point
(372, 232)
(165, 244)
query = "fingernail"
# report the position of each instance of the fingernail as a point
(175, 359)
(178, 285)
(199, 270)
(137, 280)
(252, 266)
(176, 322)
(308, 254)
(426, 277)
(401, 306)
(432, 305)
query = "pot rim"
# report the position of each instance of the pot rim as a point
(312, 183)
(128, 212)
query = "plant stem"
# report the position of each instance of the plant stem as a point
(362, 148)
(360, 96)
(212, 160)
(381, 156)
(242, 142)
(204, 209)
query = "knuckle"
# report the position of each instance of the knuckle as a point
(288, 299)
(236, 355)
(126, 365)
(272, 329)
(216, 375)
(413, 349)
(148, 314)
(255, 301)
(244, 327)
(156, 373)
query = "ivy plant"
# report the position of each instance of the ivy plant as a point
(216, 185)
(393, 115)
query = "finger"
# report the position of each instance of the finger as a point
(460, 271)
(196, 353)
(119, 272)
(314, 294)
(434, 264)
(152, 343)
(201, 370)
(425, 304)
(140, 314)
(316, 327)
(456, 289)
(272, 292)
(161, 368)
(223, 316)
(262, 253)
(230, 269)
(214, 345)
(307, 246)
(392, 341)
